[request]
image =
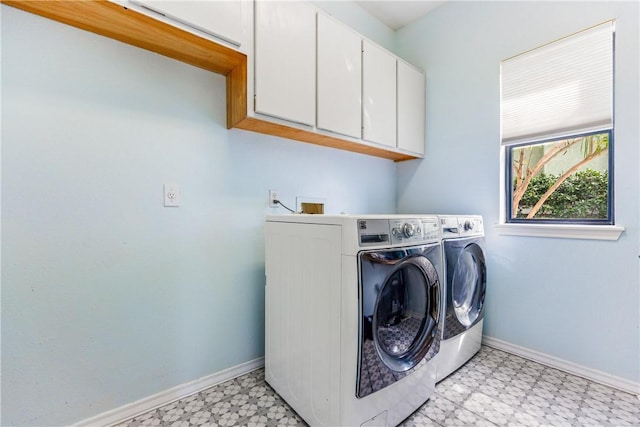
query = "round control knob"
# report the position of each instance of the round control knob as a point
(468, 225)
(408, 230)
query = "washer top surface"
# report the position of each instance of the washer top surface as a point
(361, 232)
(339, 219)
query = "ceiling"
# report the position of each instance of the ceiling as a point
(397, 14)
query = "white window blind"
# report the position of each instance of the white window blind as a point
(562, 88)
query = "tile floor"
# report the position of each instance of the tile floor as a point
(493, 389)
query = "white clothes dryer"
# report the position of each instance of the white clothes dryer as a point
(352, 315)
(465, 290)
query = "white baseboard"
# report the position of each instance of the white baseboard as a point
(563, 365)
(117, 415)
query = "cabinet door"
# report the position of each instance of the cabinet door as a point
(411, 108)
(378, 95)
(285, 60)
(339, 78)
(221, 19)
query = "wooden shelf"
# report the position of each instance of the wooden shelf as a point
(263, 126)
(129, 26)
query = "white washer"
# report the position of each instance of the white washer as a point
(466, 283)
(352, 315)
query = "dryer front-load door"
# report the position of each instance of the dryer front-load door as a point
(469, 285)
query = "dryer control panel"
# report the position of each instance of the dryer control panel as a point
(470, 226)
(463, 226)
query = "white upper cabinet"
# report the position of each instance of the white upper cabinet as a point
(221, 19)
(378, 95)
(339, 78)
(285, 60)
(411, 109)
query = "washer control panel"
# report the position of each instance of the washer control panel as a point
(380, 232)
(414, 230)
(373, 232)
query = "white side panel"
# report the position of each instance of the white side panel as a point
(378, 95)
(339, 78)
(285, 55)
(221, 19)
(302, 337)
(411, 108)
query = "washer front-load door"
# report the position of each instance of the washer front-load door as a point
(467, 286)
(403, 322)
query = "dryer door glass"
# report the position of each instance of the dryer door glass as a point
(469, 284)
(406, 313)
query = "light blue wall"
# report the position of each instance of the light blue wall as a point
(107, 296)
(360, 20)
(577, 300)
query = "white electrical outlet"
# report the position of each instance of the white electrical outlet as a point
(171, 195)
(273, 196)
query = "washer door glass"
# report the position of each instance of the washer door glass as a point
(469, 284)
(406, 313)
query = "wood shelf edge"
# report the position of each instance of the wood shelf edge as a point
(275, 129)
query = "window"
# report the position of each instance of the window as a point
(557, 130)
(561, 180)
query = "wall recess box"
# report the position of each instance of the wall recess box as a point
(310, 205)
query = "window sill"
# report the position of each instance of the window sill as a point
(563, 231)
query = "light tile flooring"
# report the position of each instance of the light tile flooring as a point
(493, 389)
